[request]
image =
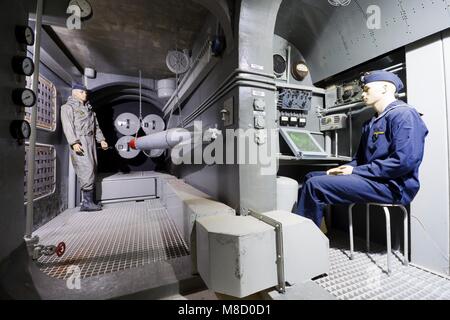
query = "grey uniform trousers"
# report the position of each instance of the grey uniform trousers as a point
(86, 165)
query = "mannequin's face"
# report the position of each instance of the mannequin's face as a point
(79, 94)
(374, 92)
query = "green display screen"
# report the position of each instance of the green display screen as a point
(303, 141)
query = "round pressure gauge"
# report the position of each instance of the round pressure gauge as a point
(300, 70)
(85, 8)
(24, 97)
(20, 129)
(25, 35)
(279, 65)
(23, 65)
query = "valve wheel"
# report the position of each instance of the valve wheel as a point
(60, 249)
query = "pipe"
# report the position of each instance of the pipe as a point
(32, 141)
(72, 184)
(346, 107)
(336, 154)
(161, 140)
(288, 54)
(328, 142)
(395, 68)
(223, 84)
(221, 93)
(350, 124)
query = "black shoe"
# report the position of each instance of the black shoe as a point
(88, 202)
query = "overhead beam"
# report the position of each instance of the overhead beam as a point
(220, 9)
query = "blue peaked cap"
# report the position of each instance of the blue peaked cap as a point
(381, 75)
(79, 86)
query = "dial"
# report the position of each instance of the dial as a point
(28, 66)
(25, 35)
(23, 65)
(85, 7)
(300, 70)
(20, 129)
(25, 130)
(28, 98)
(24, 97)
(279, 65)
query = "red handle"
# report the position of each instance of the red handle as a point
(60, 249)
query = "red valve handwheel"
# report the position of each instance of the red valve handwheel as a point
(60, 249)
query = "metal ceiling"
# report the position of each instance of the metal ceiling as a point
(333, 39)
(125, 36)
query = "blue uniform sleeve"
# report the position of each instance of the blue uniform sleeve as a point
(406, 149)
(359, 155)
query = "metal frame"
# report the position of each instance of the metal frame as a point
(31, 156)
(388, 231)
(54, 172)
(297, 152)
(43, 81)
(279, 246)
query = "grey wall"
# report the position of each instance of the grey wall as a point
(240, 186)
(12, 218)
(219, 181)
(430, 211)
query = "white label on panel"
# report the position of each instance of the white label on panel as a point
(256, 66)
(258, 93)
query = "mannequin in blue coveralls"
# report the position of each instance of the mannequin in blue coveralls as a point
(385, 168)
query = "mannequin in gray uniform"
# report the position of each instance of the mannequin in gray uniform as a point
(81, 128)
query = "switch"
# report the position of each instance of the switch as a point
(260, 122)
(259, 104)
(293, 121)
(227, 112)
(302, 122)
(284, 120)
(260, 137)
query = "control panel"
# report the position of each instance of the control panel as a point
(333, 122)
(294, 99)
(293, 105)
(345, 93)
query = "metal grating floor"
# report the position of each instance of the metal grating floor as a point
(121, 236)
(364, 278)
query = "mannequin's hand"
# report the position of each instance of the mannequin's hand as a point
(78, 149)
(340, 171)
(104, 145)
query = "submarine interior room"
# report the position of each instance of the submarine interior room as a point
(161, 149)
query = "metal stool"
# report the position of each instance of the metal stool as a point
(388, 230)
